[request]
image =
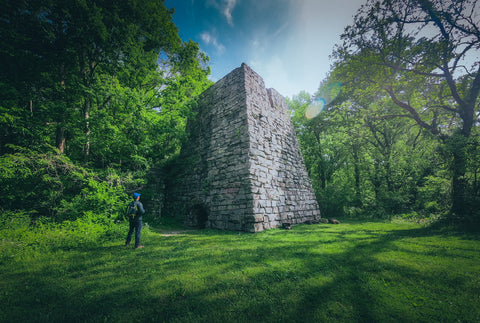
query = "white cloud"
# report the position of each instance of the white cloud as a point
(280, 30)
(210, 39)
(227, 10)
(225, 7)
(295, 57)
(287, 42)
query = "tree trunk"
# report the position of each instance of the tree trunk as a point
(60, 140)
(376, 181)
(356, 161)
(86, 147)
(458, 148)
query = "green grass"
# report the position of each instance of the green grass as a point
(352, 272)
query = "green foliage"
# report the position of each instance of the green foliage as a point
(433, 195)
(83, 76)
(18, 229)
(333, 200)
(396, 65)
(102, 197)
(364, 161)
(109, 85)
(37, 182)
(11, 221)
(49, 184)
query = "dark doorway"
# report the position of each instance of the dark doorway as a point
(200, 216)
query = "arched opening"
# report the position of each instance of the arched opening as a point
(199, 215)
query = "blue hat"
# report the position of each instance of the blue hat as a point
(135, 195)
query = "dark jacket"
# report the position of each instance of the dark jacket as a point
(140, 210)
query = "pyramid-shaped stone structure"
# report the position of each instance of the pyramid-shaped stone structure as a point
(243, 169)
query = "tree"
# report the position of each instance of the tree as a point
(422, 55)
(325, 144)
(56, 54)
(109, 84)
(363, 161)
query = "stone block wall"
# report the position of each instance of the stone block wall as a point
(243, 167)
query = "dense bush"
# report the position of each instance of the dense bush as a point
(89, 230)
(49, 185)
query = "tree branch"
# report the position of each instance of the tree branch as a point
(412, 112)
(475, 89)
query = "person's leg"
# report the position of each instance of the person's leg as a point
(138, 230)
(130, 232)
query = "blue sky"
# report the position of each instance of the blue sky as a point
(287, 42)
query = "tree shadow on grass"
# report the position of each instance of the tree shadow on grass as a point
(309, 274)
(364, 282)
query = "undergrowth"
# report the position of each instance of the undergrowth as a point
(90, 230)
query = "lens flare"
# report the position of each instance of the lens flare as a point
(330, 92)
(325, 96)
(315, 108)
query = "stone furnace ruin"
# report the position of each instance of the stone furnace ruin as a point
(243, 169)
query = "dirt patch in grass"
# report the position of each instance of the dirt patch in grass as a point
(174, 233)
(171, 232)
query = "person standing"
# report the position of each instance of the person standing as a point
(135, 212)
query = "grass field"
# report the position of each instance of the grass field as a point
(351, 272)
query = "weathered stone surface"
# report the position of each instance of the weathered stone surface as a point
(244, 170)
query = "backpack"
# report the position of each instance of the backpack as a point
(132, 210)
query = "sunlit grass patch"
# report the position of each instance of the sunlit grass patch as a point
(354, 271)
